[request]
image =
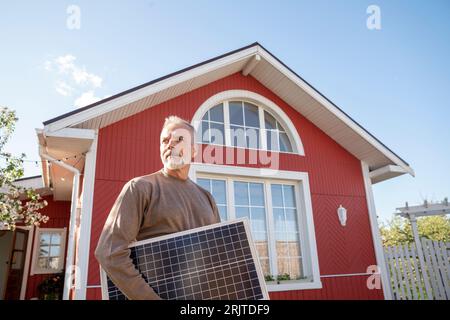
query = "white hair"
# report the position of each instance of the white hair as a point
(179, 121)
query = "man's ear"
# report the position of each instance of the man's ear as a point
(194, 150)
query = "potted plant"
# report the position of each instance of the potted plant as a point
(51, 288)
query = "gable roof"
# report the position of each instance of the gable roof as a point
(257, 61)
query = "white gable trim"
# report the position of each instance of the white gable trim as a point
(259, 100)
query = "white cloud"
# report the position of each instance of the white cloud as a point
(74, 78)
(86, 98)
(66, 65)
(63, 88)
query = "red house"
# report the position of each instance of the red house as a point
(273, 149)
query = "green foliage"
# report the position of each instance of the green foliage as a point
(398, 230)
(17, 204)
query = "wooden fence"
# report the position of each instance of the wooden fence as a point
(409, 281)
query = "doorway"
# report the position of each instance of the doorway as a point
(13, 251)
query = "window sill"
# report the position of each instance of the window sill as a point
(290, 285)
(46, 271)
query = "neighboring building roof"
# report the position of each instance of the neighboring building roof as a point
(258, 62)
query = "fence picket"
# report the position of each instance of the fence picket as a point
(441, 269)
(393, 272)
(446, 258)
(415, 259)
(436, 270)
(414, 285)
(405, 273)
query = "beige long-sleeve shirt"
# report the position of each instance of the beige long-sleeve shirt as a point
(147, 207)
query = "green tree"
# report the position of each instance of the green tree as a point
(17, 204)
(398, 230)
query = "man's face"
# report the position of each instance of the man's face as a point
(176, 146)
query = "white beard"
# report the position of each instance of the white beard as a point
(175, 162)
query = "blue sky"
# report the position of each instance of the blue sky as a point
(395, 81)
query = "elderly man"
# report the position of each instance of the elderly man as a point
(160, 203)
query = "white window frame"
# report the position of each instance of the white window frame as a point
(300, 180)
(263, 104)
(35, 269)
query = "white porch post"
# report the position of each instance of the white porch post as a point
(84, 239)
(376, 236)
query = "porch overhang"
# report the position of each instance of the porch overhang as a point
(68, 146)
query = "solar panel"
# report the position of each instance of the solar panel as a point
(218, 261)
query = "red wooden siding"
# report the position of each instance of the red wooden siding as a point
(130, 148)
(59, 215)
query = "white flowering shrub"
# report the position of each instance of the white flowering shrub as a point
(17, 204)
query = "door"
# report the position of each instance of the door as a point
(16, 265)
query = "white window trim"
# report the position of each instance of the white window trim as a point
(262, 103)
(34, 265)
(310, 259)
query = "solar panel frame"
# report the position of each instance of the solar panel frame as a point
(106, 282)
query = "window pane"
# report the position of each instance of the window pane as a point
(20, 241)
(256, 194)
(44, 251)
(45, 238)
(204, 183)
(236, 115)
(283, 266)
(17, 260)
(278, 215)
(238, 136)
(222, 212)
(272, 140)
(217, 133)
(252, 136)
(294, 249)
(289, 200)
(206, 116)
(282, 249)
(242, 212)
(285, 145)
(291, 220)
(56, 238)
(204, 132)
(54, 263)
(269, 121)
(54, 251)
(219, 192)
(251, 115)
(258, 217)
(240, 193)
(277, 196)
(295, 268)
(265, 266)
(43, 263)
(216, 113)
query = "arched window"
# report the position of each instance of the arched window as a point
(246, 121)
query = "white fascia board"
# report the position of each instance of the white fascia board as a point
(384, 173)
(121, 101)
(73, 133)
(335, 111)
